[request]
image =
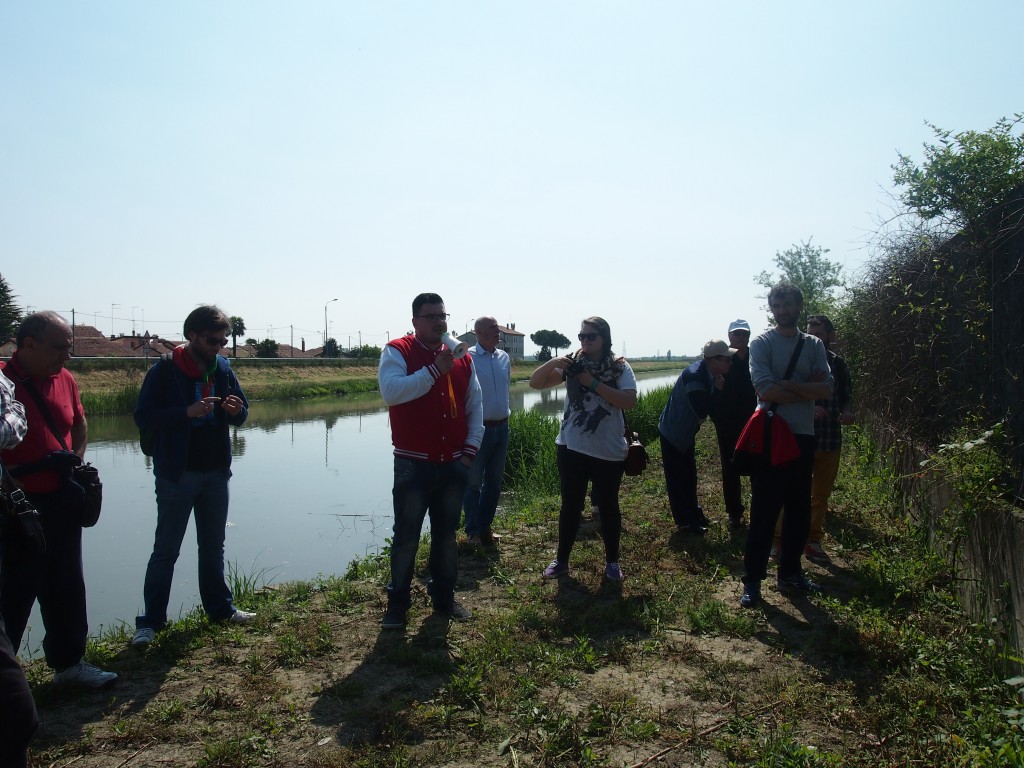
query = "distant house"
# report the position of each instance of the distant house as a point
(509, 339)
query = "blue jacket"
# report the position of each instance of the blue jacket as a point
(165, 395)
(692, 398)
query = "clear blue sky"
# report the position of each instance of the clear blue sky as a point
(536, 161)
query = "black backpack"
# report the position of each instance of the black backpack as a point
(148, 436)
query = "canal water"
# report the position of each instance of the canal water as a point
(311, 491)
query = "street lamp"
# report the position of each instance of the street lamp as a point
(324, 354)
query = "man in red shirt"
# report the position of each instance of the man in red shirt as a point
(41, 466)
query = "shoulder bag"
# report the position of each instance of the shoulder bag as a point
(19, 520)
(636, 454)
(766, 441)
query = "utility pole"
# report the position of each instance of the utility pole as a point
(323, 354)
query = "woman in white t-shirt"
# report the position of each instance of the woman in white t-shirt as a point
(591, 442)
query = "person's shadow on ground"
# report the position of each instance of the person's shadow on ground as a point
(396, 671)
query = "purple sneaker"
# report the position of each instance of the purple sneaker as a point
(555, 570)
(612, 572)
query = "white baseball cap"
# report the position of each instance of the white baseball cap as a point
(739, 325)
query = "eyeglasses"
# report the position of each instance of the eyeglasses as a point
(436, 318)
(588, 336)
(215, 341)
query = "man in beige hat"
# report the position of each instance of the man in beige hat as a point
(693, 397)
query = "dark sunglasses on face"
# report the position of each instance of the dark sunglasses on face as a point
(588, 336)
(215, 341)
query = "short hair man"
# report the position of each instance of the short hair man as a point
(42, 467)
(437, 425)
(736, 401)
(692, 398)
(17, 708)
(493, 370)
(789, 486)
(191, 400)
(829, 416)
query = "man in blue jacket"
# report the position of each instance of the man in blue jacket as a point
(190, 400)
(692, 399)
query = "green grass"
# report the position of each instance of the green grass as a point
(885, 671)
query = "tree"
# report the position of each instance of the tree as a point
(367, 351)
(330, 348)
(266, 348)
(964, 176)
(10, 314)
(545, 339)
(237, 329)
(806, 267)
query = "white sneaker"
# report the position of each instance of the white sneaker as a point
(143, 636)
(84, 674)
(241, 617)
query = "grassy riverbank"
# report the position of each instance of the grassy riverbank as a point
(664, 669)
(111, 387)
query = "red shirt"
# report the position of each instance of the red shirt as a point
(60, 393)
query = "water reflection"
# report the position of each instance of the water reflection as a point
(311, 491)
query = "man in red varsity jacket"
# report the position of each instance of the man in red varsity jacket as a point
(437, 425)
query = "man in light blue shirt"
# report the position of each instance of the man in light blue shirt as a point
(494, 372)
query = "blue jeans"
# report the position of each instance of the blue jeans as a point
(484, 485)
(421, 487)
(207, 494)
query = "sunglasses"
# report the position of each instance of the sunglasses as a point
(215, 341)
(588, 336)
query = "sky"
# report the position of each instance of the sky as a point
(540, 162)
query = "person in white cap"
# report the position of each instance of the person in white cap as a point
(692, 398)
(733, 407)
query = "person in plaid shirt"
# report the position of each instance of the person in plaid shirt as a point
(829, 416)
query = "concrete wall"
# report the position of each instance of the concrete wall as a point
(987, 560)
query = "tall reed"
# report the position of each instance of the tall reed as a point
(531, 471)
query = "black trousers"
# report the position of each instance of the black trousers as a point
(54, 578)
(771, 491)
(574, 471)
(681, 483)
(18, 718)
(732, 489)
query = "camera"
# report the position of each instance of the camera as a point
(574, 369)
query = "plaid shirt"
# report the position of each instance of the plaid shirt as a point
(828, 432)
(13, 426)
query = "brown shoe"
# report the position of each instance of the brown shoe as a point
(490, 538)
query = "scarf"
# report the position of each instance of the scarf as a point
(190, 367)
(607, 370)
